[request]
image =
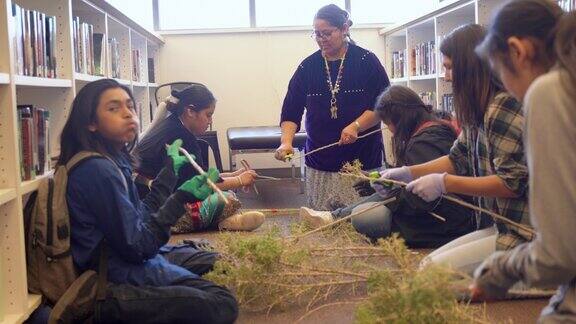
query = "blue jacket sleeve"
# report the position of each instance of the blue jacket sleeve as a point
(131, 230)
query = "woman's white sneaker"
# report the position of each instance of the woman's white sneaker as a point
(245, 221)
(315, 218)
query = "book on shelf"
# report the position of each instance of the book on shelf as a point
(151, 76)
(87, 51)
(136, 63)
(423, 58)
(33, 130)
(567, 5)
(448, 103)
(99, 54)
(114, 55)
(399, 64)
(34, 42)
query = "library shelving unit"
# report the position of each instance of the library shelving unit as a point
(56, 96)
(430, 27)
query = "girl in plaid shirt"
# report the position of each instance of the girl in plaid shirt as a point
(532, 46)
(486, 161)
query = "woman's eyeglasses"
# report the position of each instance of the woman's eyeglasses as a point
(324, 34)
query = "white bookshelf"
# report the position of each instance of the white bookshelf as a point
(55, 95)
(83, 77)
(432, 26)
(6, 195)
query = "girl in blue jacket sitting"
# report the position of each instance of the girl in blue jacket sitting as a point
(147, 280)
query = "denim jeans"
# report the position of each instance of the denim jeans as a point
(375, 223)
(190, 300)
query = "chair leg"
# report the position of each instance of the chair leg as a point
(232, 159)
(302, 174)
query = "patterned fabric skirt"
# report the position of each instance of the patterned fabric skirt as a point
(329, 190)
(206, 214)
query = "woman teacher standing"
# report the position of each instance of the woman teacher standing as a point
(338, 86)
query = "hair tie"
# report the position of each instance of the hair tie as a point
(172, 99)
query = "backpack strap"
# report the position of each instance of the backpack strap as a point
(102, 272)
(83, 155)
(79, 157)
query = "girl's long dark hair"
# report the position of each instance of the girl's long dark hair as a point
(402, 107)
(76, 136)
(473, 83)
(196, 97)
(552, 30)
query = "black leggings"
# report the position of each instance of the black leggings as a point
(190, 300)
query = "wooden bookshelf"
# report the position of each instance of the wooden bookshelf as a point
(4, 78)
(28, 186)
(56, 96)
(22, 80)
(33, 301)
(6, 195)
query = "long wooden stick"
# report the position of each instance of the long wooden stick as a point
(268, 178)
(454, 200)
(334, 144)
(247, 167)
(199, 169)
(343, 219)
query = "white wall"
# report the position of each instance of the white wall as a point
(247, 72)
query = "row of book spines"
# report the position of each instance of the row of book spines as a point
(34, 42)
(399, 64)
(136, 63)
(34, 125)
(88, 48)
(423, 58)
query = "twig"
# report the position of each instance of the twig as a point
(201, 172)
(315, 285)
(437, 216)
(278, 210)
(343, 219)
(247, 167)
(365, 255)
(268, 178)
(328, 305)
(454, 200)
(394, 182)
(334, 144)
(351, 248)
(345, 273)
